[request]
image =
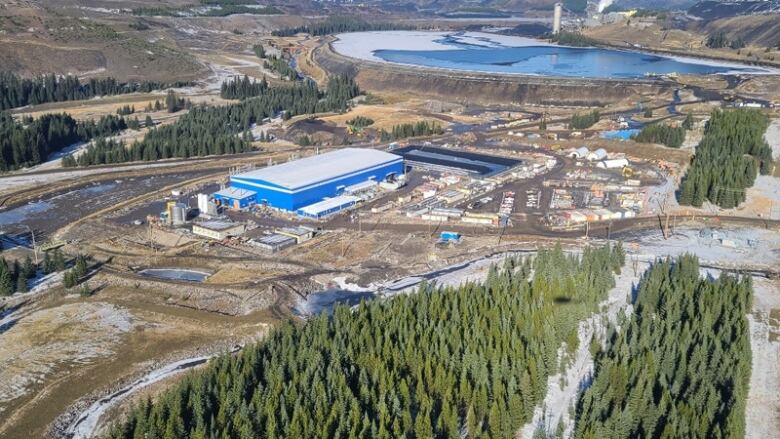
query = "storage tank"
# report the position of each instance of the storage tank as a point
(179, 214)
(203, 203)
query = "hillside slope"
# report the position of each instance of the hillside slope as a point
(756, 30)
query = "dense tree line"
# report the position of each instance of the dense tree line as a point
(422, 128)
(16, 91)
(727, 159)
(242, 88)
(339, 24)
(471, 361)
(573, 39)
(125, 110)
(29, 142)
(15, 276)
(680, 366)
(101, 151)
(720, 40)
(174, 103)
(360, 122)
(688, 122)
(583, 121)
(225, 129)
(664, 134)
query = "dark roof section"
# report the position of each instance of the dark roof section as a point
(469, 162)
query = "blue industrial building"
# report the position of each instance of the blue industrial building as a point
(235, 198)
(296, 184)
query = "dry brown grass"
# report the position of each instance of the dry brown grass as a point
(652, 35)
(156, 332)
(96, 108)
(237, 275)
(384, 116)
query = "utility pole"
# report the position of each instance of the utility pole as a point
(666, 226)
(35, 247)
(151, 244)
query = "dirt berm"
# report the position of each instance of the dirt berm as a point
(465, 87)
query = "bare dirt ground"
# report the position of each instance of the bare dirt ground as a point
(385, 116)
(763, 405)
(763, 199)
(68, 347)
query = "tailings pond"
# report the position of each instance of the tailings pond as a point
(503, 54)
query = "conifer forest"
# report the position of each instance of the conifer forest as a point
(728, 159)
(225, 129)
(469, 361)
(681, 365)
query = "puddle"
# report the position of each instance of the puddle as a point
(175, 274)
(23, 213)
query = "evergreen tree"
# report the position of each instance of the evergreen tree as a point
(726, 159)
(429, 364)
(16, 91)
(21, 284)
(219, 130)
(688, 122)
(6, 280)
(679, 366)
(661, 133)
(584, 121)
(339, 24)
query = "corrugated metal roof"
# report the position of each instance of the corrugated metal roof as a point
(317, 209)
(235, 193)
(275, 239)
(319, 168)
(217, 225)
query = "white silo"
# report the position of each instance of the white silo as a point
(558, 12)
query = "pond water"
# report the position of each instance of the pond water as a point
(325, 300)
(619, 134)
(494, 53)
(175, 274)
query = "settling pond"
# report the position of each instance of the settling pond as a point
(175, 274)
(495, 53)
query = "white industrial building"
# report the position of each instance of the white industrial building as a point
(218, 230)
(613, 164)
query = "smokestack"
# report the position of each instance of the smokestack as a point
(557, 18)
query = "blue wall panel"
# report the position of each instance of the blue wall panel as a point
(304, 197)
(230, 201)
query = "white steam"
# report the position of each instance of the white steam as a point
(604, 4)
